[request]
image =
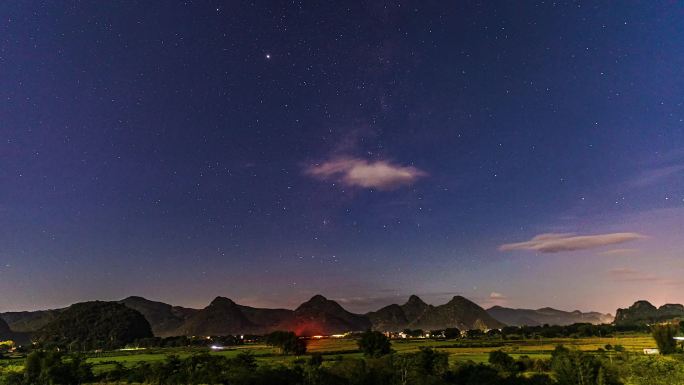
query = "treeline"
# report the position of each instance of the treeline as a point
(426, 366)
(189, 341)
(507, 333)
(529, 332)
(572, 331)
(380, 366)
(73, 331)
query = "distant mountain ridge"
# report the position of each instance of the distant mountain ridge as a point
(29, 321)
(223, 316)
(459, 312)
(318, 315)
(164, 318)
(7, 334)
(643, 312)
(546, 315)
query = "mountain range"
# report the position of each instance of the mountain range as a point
(321, 316)
(459, 312)
(317, 316)
(546, 316)
(643, 312)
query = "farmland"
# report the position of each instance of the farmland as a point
(336, 349)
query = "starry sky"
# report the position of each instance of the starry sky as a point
(524, 154)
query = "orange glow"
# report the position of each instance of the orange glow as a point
(308, 328)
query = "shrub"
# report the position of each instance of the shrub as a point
(374, 344)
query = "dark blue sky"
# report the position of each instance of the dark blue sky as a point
(269, 151)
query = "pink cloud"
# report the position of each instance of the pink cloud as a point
(355, 172)
(554, 243)
(619, 252)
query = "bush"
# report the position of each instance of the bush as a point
(573, 367)
(287, 342)
(503, 362)
(374, 344)
(664, 334)
(50, 367)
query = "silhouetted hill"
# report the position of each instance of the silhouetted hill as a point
(29, 321)
(414, 308)
(221, 317)
(547, 315)
(459, 312)
(416, 314)
(7, 334)
(267, 319)
(389, 318)
(163, 318)
(321, 316)
(4, 330)
(94, 325)
(643, 312)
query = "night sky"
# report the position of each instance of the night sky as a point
(525, 154)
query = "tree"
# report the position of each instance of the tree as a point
(245, 359)
(374, 344)
(316, 360)
(573, 367)
(287, 342)
(452, 333)
(474, 333)
(414, 332)
(664, 334)
(503, 362)
(48, 367)
(431, 362)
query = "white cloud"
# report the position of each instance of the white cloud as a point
(355, 172)
(554, 243)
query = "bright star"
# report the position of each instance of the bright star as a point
(268, 56)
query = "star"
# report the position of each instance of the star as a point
(268, 56)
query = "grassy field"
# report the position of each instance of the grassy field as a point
(459, 350)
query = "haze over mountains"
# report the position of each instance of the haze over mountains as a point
(546, 316)
(321, 316)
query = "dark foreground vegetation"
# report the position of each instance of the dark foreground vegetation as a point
(380, 365)
(426, 366)
(377, 364)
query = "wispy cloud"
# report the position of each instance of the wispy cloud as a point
(554, 243)
(626, 274)
(657, 175)
(619, 252)
(356, 172)
(621, 271)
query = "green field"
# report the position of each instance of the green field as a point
(458, 350)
